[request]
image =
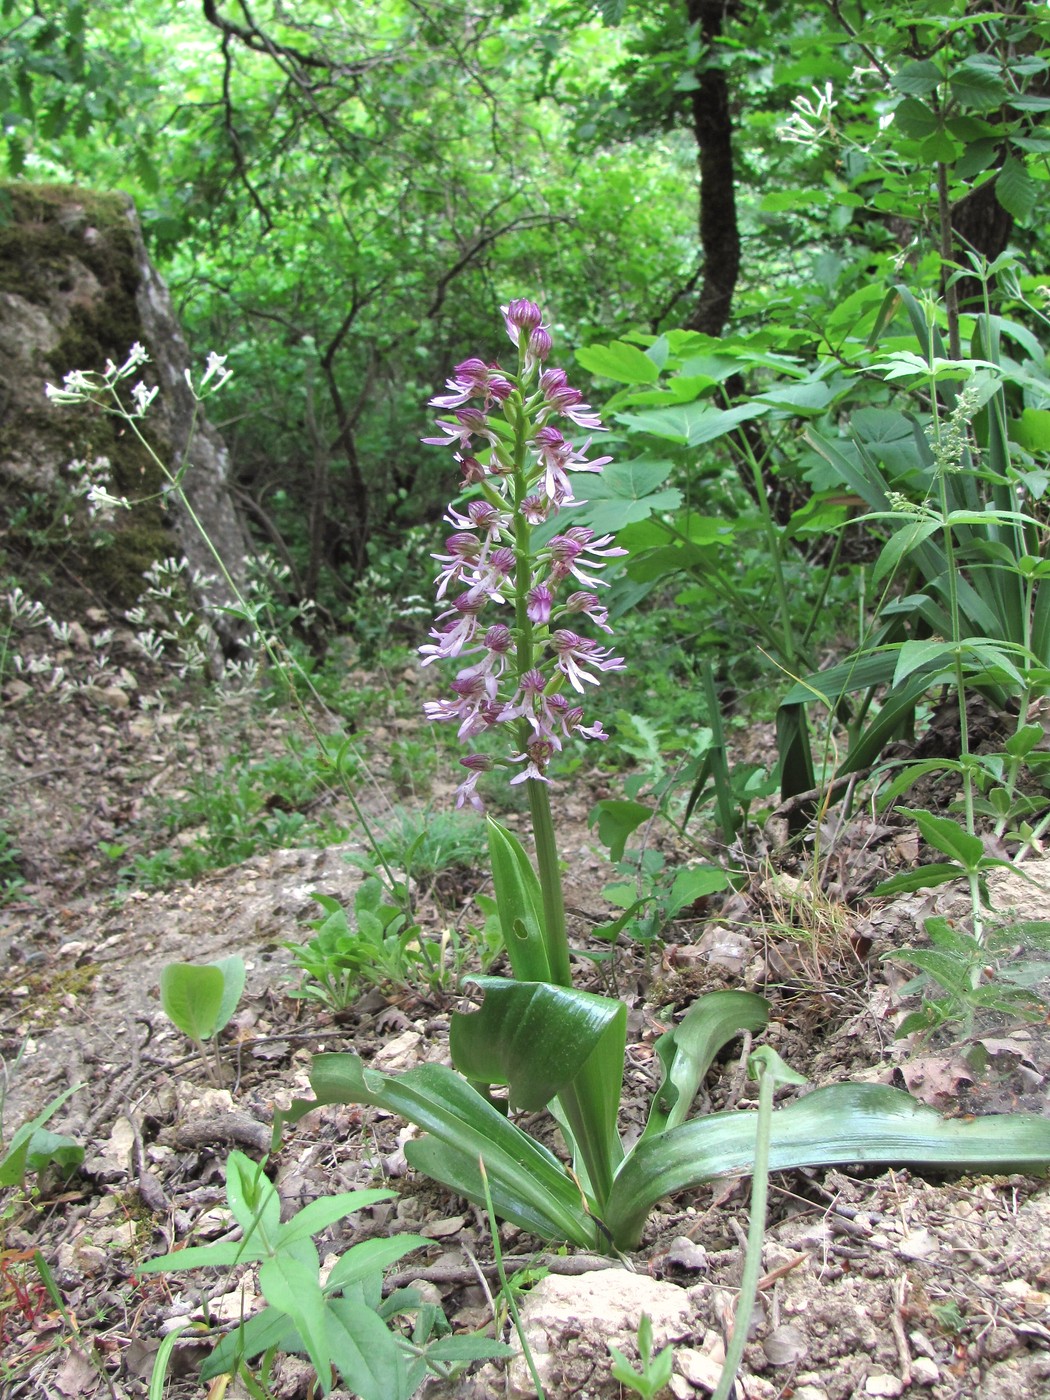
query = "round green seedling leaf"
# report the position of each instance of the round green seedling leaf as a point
(232, 969)
(192, 996)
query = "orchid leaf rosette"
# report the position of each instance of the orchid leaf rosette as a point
(520, 605)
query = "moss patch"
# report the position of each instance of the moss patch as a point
(42, 999)
(72, 252)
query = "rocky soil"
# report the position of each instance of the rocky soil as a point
(878, 1285)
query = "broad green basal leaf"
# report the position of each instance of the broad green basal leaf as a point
(192, 997)
(839, 1124)
(686, 1052)
(546, 1042)
(529, 1185)
(519, 903)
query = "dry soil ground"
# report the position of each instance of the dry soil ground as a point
(873, 1285)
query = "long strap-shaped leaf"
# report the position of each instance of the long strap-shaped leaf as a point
(519, 902)
(687, 1051)
(547, 1042)
(839, 1124)
(529, 1185)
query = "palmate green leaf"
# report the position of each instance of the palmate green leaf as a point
(687, 1051)
(529, 1185)
(546, 1042)
(624, 493)
(618, 818)
(624, 363)
(837, 1125)
(691, 424)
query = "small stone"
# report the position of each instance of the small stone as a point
(785, 1346)
(883, 1385)
(924, 1371)
(90, 1259)
(702, 1370)
(441, 1229)
(399, 1053)
(684, 1254)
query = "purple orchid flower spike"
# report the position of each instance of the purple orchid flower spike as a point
(511, 610)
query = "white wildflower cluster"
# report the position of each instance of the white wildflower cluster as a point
(951, 442)
(81, 664)
(811, 121)
(102, 389)
(214, 377)
(92, 481)
(171, 630)
(88, 386)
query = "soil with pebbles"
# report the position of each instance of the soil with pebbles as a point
(873, 1285)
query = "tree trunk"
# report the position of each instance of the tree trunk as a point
(713, 129)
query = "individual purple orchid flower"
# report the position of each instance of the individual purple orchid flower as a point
(507, 596)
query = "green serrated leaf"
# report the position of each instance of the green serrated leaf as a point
(624, 363)
(977, 87)
(1015, 190)
(918, 79)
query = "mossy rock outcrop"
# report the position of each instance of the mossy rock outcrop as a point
(77, 288)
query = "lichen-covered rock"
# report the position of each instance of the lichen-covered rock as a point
(77, 288)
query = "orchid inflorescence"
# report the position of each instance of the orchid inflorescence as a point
(516, 466)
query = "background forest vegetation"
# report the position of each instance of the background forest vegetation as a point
(736, 214)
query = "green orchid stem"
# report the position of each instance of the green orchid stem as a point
(555, 937)
(755, 1237)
